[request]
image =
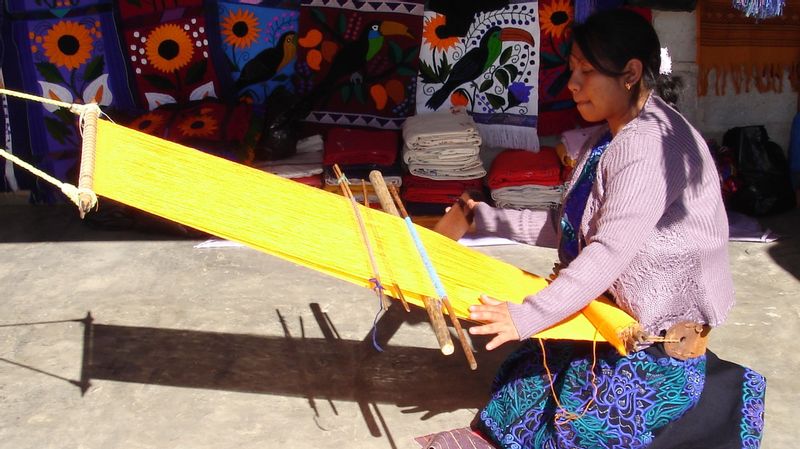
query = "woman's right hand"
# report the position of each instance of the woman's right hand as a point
(458, 218)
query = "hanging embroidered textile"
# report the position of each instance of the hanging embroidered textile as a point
(745, 50)
(260, 44)
(483, 56)
(316, 229)
(557, 111)
(357, 60)
(173, 53)
(71, 56)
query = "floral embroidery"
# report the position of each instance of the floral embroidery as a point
(752, 425)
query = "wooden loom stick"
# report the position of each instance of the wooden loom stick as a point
(432, 306)
(365, 236)
(383, 206)
(89, 116)
(462, 336)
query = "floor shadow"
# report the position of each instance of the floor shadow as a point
(319, 369)
(786, 250)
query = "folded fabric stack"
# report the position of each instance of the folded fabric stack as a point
(522, 179)
(305, 166)
(424, 196)
(443, 146)
(357, 152)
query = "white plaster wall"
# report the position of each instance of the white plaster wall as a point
(713, 114)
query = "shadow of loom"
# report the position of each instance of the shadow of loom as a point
(319, 369)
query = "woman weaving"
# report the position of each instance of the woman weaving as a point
(643, 220)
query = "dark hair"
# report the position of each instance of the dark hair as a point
(611, 38)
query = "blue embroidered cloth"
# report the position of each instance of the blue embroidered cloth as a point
(575, 204)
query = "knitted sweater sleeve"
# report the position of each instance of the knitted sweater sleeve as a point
(534, 227)
(635, 196)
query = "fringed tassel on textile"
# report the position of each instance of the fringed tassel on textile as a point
(765, 77)
(760, 9)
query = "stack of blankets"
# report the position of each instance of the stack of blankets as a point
(443, 146)
(358, 151)
(442, 152)
(521, 179)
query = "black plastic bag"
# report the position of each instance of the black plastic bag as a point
(764, 180)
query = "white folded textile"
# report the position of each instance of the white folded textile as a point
(528, 197)
(433, 128)
(297, 166)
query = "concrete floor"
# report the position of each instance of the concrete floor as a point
(136, 340)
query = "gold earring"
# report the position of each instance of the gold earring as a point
(628, 86)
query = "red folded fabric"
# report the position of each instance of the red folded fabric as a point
(361, 146)
(313, 180)
(422, 190)
(520, 167)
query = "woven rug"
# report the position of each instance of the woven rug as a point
(745, 50)
(489, 65)
(357, 60)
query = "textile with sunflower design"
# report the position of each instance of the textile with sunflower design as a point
(488, 64)
(260, 45)
(71, 59)
(174, 56)
(357, 61)
(557, 111)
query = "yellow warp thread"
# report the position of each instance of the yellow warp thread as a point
(315, 228)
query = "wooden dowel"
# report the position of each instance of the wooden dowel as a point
(385, 302)
(432, 306)
(462, 336)
(382, 192)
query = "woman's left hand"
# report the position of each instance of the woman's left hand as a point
(495, 313)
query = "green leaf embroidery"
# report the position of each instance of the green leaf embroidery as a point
(486, 85)
(196, 72)
(444, 69)
(345, 91)
(94, 68)
(319, 15)
(506, 55)
(50, 73)
(412, 55)
(496, 101)
(342, 24)
(427, 74)
(405, 71)
(502, 76)
(359, 92)
(512, 70)
(396, 51)
(57, 129)
(159, 82)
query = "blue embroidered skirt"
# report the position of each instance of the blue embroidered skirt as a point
(629, 402)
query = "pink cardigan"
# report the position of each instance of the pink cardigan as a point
(655, 228)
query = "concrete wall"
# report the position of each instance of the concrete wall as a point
(712, 114)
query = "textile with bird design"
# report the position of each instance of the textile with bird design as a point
(483, 56)
(357, 61)
(260, 43)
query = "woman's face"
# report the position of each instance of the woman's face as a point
(599, 97)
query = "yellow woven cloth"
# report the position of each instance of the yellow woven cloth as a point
(315, 228)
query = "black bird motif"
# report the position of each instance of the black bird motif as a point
(477, 61)
(268, 62)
